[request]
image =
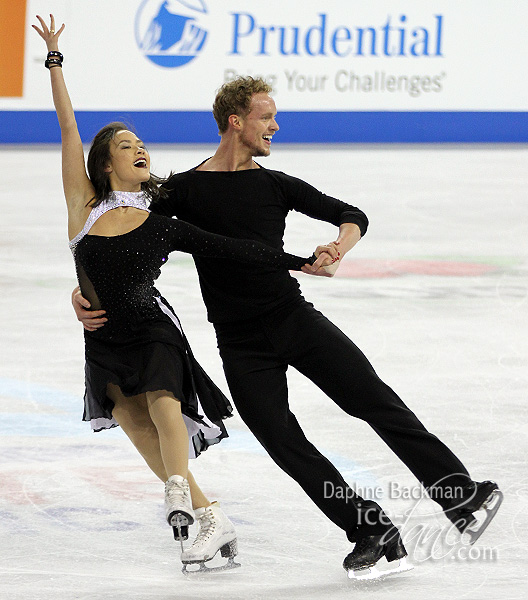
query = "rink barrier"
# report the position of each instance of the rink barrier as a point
(192, 127)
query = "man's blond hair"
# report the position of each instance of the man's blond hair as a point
(234, 98)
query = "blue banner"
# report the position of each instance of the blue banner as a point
(173, 127)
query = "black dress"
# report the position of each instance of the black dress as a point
(142, 346)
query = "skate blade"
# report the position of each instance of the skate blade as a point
(490, 507)
(203, 568)
(373, 573)
(228, 550)
(180, 527)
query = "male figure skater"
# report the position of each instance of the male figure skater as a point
(263, 325)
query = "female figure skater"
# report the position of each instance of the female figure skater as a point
(140, 371)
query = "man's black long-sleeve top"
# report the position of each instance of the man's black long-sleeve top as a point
(249, 204)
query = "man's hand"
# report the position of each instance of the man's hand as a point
(91, 319)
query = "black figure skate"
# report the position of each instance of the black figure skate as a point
(363, 562)
(477, 496)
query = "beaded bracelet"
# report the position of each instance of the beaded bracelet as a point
(52, 62)
(56, 53)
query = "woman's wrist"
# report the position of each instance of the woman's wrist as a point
(53, 59)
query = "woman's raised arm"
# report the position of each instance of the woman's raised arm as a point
(77, 187)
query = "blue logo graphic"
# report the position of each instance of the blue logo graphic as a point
(169, 33)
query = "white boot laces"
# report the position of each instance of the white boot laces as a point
(207, 527)
(175, 492)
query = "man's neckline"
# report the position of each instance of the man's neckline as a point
(198, 170)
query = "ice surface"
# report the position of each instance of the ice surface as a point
(435, 295)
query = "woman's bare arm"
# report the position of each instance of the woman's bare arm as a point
(77, 187)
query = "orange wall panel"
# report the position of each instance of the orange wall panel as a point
(12, 33)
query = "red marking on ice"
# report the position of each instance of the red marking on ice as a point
(377, 268)
(126, 482)
(16, 487)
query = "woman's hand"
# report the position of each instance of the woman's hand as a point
(327, 255)
(49, 35)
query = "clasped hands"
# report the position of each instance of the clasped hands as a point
(328, 257)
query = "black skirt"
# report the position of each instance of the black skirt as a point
(156, 357)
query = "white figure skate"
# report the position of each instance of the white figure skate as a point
(178, 507)
(216, 533)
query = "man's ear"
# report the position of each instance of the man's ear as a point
(235, 121)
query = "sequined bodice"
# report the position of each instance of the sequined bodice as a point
(117, 273)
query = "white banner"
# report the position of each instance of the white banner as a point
(324, 55)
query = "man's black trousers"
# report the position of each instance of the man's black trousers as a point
(256, 355)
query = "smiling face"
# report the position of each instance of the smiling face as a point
(259, 125)
(129, 164)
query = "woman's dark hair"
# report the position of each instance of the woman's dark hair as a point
(98, 159)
